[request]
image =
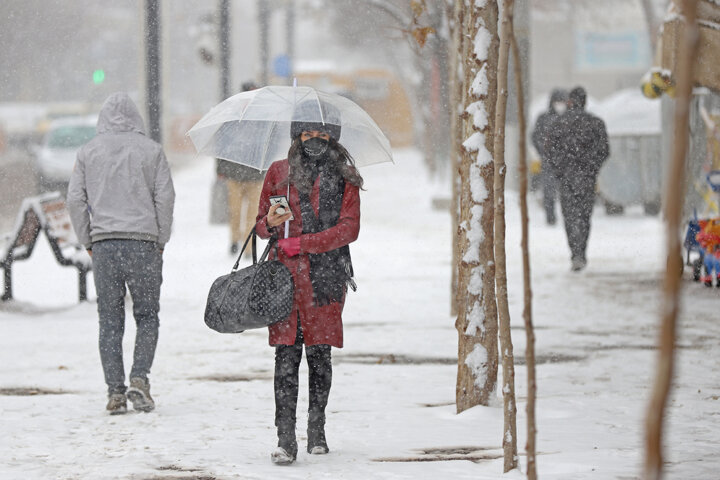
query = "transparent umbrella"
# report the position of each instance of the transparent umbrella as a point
(253, 128)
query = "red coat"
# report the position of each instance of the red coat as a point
(320, 324)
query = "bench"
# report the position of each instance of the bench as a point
(46, 213)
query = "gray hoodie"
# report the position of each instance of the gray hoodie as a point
(121, 185)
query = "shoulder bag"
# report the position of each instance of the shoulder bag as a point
(253, 297)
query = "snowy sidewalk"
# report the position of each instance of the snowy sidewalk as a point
(394, 382)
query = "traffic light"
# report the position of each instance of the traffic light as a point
(98, 77)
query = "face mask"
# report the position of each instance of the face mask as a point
(559, 107)
(315, 147)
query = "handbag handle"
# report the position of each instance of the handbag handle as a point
(265, 253)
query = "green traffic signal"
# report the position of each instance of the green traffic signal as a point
(98, 77)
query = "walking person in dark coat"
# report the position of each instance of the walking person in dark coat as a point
(121, 200)
(543, 127)
(577, 147)
(324, 199)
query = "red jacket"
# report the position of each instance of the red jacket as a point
(320, 324)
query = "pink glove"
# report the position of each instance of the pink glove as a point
(291, 246)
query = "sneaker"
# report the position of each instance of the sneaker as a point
(317, 444)
(233, 248)
(139, 395)
(286, 451)
(282, 457)
(707, 280)
(117, 404)
(578, 264)
(319, 450)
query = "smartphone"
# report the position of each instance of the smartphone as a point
(284, 206)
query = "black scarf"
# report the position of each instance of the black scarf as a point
(330, 272)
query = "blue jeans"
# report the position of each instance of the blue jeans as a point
(137, 265)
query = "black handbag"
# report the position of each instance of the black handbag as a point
(254, 297)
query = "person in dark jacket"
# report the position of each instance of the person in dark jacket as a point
(243, 188)
(543, 126)
(576, 149)
(323, 195)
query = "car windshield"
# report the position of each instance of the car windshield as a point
(70, 136)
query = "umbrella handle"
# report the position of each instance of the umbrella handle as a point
(287, 222)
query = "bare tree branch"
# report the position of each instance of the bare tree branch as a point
(671, 285)
(506, 347)
(527, 288)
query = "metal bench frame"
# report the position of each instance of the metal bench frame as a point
(45, 213)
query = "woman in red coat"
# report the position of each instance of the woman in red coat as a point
(325, 206)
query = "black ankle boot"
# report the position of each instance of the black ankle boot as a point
(317, 444)
(286, 451)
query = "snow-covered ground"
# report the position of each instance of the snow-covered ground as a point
(391, 405)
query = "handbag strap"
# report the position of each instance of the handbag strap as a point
(265, 253)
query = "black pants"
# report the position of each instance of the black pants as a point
(576, 202)
(287, 364)
(550, 188)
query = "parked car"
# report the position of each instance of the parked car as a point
(55, 156)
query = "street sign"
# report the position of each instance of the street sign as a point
(281, 66)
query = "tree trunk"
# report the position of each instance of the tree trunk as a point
(455, 15)
(506, 347)
(477, 311)
(527, 287)
(671, 284)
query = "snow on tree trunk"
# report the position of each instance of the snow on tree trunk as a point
(527, 287)
(671, 284)
(477, 311)
(506, 346)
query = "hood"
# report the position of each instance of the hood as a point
(557, 95)
(577, 98)
(119, 114)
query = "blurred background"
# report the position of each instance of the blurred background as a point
(60, 59)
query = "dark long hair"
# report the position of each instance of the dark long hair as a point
(337, 160)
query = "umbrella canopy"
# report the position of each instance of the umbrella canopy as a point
(253, 128)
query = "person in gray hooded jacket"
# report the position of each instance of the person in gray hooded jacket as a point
(121, 200)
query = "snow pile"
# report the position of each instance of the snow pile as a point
(629, 112)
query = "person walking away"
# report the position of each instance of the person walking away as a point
(540, 134)
(243, 185)
(121, 198)
(577, 147)
(325, 203)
